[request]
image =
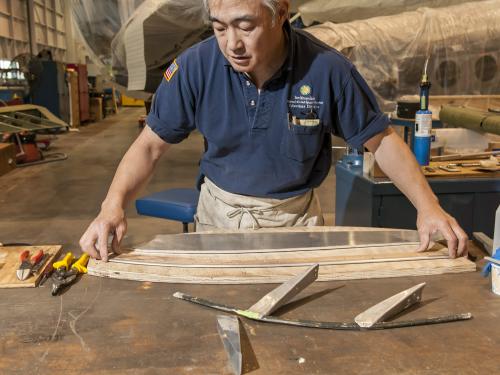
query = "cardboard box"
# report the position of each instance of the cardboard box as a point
(7, 157)
(493, 146)
(96, 109)
(127, 101)
(75, 98)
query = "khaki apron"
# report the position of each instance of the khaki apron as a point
(219, 209)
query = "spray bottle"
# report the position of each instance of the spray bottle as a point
(423, 122)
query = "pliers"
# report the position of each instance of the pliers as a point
(66, 271)
(29, 265)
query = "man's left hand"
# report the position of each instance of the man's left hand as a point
(434, 219)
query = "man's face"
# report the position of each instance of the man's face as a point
(245, 33)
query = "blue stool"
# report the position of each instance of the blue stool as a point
(173, 204)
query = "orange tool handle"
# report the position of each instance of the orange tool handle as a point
(37, 257)
(24, 256)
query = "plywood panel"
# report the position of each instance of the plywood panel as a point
(4, 7)
(61, 41)
(39, 13)
(51, 38)
(246, 275)
(40, 34)
(20, 31)
(60, 23)
(274, 265)
(5, 27)
(59, 6)
(276, 258)
(50, 18)
(9, 263)
(19, 9)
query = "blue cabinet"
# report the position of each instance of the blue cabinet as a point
(364, 201)
(49, 88)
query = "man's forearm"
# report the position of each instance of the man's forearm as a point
(135, 169)
(398, 163)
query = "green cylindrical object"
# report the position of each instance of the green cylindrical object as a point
(492, 124)
(470, 118)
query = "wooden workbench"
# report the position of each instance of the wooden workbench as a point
(104, 326)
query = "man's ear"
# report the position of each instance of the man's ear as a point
(283, 11)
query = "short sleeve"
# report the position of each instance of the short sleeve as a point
(359, 117)
(172, 112)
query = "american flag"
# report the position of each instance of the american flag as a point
(169, 73)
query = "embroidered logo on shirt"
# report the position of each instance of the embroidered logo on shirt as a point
(169, 73)
(305, 90)
(304, 101)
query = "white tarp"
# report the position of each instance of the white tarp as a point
(339, 11)
(463, 42)
(99, 21)
(167, 27)
(390, 51)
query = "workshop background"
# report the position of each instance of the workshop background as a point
(76, 82)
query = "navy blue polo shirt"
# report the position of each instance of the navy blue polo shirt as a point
(275, 143)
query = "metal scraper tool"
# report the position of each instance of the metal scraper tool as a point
(229, 331)
(285, 292)
(390, 306)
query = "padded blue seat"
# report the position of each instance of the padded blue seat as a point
(173, 204)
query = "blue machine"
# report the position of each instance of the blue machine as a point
(423, 122)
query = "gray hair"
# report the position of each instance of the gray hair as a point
(273, 6)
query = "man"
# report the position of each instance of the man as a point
(266, 98)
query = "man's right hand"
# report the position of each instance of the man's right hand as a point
(95, 239)
(134, 171)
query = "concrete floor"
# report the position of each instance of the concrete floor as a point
(53, 203)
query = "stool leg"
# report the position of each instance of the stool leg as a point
(185, 228)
